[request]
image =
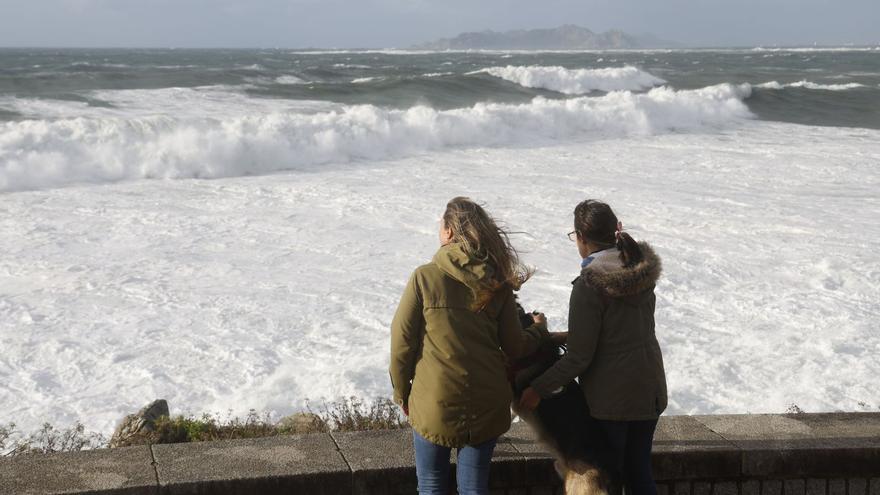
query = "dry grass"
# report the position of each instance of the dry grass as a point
(48, 439)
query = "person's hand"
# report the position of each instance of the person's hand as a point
(559, 338)
(529, 399)
(539, 319)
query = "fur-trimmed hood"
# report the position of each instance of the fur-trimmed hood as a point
(608, 276)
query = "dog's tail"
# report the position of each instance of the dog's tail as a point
(583, 479)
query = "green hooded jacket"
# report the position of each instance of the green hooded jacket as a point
(612, 348)
(448, 362)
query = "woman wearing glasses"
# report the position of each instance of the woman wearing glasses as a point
(455, 318)
(612, 349)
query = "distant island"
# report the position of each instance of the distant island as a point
(568, 37)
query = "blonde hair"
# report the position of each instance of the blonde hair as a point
(482, 239)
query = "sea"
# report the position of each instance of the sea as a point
(231, 229)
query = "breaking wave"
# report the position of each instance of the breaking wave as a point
(289, 79)
(810, 85)
(576, 81)
(38, 154)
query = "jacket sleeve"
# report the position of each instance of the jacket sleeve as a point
(584, 327)
(516, 341)
(407, 329)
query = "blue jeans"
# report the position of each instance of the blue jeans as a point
(631, 443)
(432, 467)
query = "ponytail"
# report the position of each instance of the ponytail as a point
(595, 221)
(630, 251)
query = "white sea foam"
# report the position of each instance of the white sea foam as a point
(362, 80)
(576, 81)
(810, 85)
(820, 49)
(289, 79)
(40, 153)
(265, 291)
(437, 74)
(351, 66)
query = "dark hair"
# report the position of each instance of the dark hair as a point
(595, 222)
(482, 239)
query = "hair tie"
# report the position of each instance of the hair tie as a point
(619, 231)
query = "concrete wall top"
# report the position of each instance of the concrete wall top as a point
(723, 447)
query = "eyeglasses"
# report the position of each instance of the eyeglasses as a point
(572, 236)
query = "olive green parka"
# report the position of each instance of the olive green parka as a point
(448, 362)
(612, 348)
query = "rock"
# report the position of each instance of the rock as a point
(302, 423)
(135, 425)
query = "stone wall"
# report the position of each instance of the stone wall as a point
(803, 454)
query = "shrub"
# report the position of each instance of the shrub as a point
(353, 414)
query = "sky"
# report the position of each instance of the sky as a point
(401, 23)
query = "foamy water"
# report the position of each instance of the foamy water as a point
(127, 275)
(97, 148)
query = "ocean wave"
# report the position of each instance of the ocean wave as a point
(217, 101)
(43, 154)
(810, 85)
(576, 81)
(289, 79)
(351, 66)
(820, 49)
(362, 80)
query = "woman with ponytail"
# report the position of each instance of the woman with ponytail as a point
(612, 348)
(454, 330)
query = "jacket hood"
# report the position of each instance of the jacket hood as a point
(607, 274)
(455, 262)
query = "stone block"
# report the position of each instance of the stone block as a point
(771, 487)
(523, 439)
(817, 486)
(875, 483)
(702, 488)
(750, 487)
(801, 445)
(124, 471)
(510, 469)
(794, 487)
(725, 488)
(681, 488)
(684, 448)
(662, 489)
(837, 487)
(541, 490)
(380, 461)
(857, 486)
(275, 465)
(537, 463)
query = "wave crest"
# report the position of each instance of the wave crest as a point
(40, 154)
(810, 85)
(576, 81)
